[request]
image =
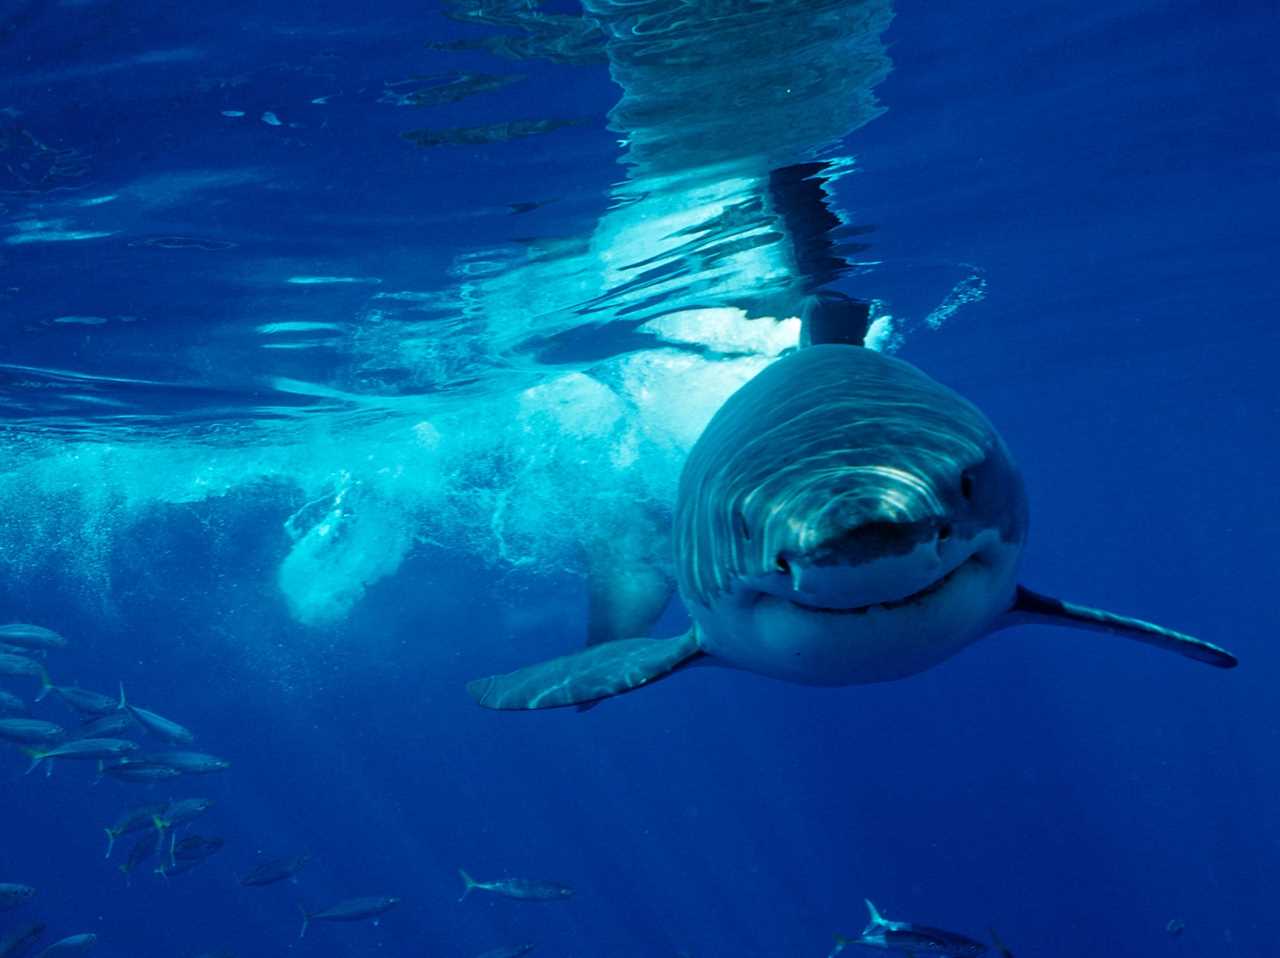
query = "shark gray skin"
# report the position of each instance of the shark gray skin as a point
(843, 519)
(910, 938)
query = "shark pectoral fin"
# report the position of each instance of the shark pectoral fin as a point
(594, 673)
(830, 316)
(1031, 607)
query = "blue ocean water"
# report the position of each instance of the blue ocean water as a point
(335, 342)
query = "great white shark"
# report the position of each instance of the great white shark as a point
(843, 519)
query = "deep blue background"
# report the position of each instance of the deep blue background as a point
(1114, 176)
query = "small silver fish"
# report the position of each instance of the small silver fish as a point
(187, 854)
(107, 726)
(27, 731)
(524, 889)
(10, 704)
(142, 849)
(268, 873)
(170, 869)
(159, 726)
(134, 820)
(146, 773)
(24, 652)
(27, 636)
(19, 666)
(82, 700)
(71, 945)
(193, 848)
(84, 748)
(188, 763)
(11, 895)
(354, 909)
(181, 812)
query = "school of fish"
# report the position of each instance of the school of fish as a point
(101, 734)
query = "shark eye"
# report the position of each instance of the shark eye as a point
(966, 485)
(783, 565)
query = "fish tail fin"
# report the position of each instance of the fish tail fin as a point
(124, 703)
(111, 842)
(468, 883)
(46, 686)
(877, 920)
(841, 944)
(36, 757)
(306, 920)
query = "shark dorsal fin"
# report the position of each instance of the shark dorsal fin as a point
(832, 317)
(877, 921)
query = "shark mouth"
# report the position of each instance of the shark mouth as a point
(936, 586)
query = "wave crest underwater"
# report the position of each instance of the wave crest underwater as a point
(531, 411)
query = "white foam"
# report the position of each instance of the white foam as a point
(971, 289)
(727, 330)
(354, 540)
(519, 470)
(882, 335)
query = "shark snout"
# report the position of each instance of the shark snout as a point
(877, 539)
(882, 562)
(883, 538)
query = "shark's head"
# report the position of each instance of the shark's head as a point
(874, 527)
(845, 518)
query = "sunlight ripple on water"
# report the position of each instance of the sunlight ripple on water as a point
(473, 412)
